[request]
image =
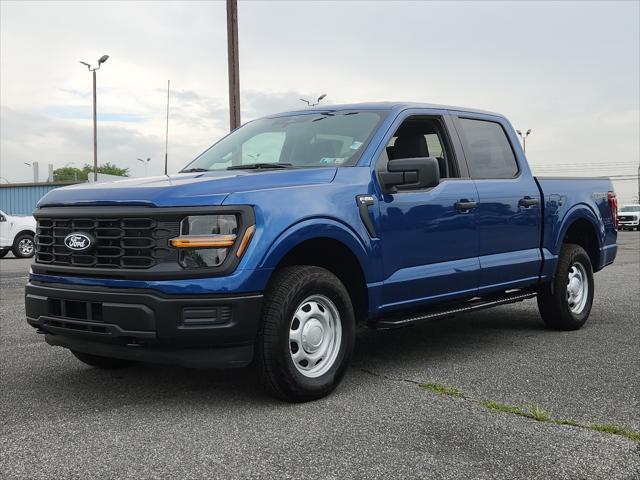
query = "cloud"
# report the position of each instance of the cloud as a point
(86, 113)
(579, 91)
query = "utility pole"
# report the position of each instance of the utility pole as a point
(166, 133)
(101, 60)
(524, 139)
(234, 67)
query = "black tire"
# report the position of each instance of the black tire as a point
(105, 363)
(289, 288)
(552, 299)
(3, 252)
(18, 243)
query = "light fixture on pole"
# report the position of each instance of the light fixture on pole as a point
(524, 139)
(36, 174)
(93, 70)
(318, 100)
(145, 163)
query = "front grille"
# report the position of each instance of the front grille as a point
(121, 243)
(626, 218)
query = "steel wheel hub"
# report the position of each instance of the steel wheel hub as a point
(315, 335)
(312, 335)
(577, 288)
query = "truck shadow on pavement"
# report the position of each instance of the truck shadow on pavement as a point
(417, 348)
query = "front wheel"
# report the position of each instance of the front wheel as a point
(307, 334)
(23, 246)
(566, 302)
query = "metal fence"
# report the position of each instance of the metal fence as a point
(21, 198)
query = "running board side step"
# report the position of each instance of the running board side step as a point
(386, 323)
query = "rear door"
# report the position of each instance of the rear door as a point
(509, 210)
(429, 243)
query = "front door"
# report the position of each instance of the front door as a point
(429, 238)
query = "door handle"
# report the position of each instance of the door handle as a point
(527, 202)
(465, 205)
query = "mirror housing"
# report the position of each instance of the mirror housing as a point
(410, 174)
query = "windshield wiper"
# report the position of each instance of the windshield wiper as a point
(254, 166)
(193, 170)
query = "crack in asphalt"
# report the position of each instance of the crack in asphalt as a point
(476, 401)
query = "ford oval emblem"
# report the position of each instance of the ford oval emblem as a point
(78, 241)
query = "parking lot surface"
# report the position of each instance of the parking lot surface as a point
(63, 419)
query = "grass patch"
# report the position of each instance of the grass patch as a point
(566, 421)
(503, 407)
(616, 430)
(442, 389)
(533, 412)
(539, 414)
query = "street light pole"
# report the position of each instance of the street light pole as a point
(95, 131)
(524, 139)
(101, 60)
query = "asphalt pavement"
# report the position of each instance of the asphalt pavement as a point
(63, 419)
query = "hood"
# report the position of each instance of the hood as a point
(184, 189)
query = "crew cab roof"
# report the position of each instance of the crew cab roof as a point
(397, 106)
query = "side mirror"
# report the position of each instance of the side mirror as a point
(3, 218)
(410, 173)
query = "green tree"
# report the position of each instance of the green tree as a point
(107, 168)
(73, 174)
(69, 174)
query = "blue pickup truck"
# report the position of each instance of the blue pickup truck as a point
(273, 244)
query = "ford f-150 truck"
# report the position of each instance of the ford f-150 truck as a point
(273, 244)
(629, 217)
(16, 235)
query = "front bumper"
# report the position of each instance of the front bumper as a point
(628, 224)
(145, 325)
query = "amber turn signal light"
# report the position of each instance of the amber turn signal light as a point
(203, 241)
(246, 238)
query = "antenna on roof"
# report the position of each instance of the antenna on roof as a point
(166, 133)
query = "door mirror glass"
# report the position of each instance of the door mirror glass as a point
(3, 218)
(410, 174)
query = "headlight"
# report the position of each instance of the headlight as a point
(206, 240)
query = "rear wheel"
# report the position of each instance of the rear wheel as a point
(3, 252)
(102, 362)
(565, 303)
(307, 334)
(23, 246)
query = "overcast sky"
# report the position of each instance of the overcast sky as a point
(567, 70)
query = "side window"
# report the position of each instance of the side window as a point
(488, 150)
(263, 148)
(423, 137)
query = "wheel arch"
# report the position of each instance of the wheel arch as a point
(329, 245)
(582, 227)
(24, 231)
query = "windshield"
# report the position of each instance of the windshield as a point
(326, 139)
(631, 208)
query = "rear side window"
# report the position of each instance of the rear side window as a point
(488, 150)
